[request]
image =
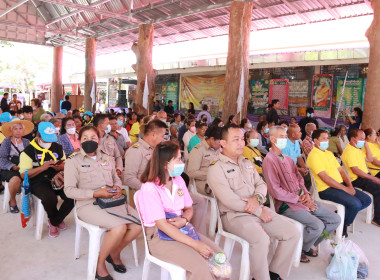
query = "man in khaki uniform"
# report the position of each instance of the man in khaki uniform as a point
(240, 193)
(107, 143)
(136, 160)
(200, 158)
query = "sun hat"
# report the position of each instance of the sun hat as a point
(47, 131)
(6, 128)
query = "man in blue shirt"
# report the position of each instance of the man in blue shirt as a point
(293, 150)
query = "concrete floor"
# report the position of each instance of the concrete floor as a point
(22, 257)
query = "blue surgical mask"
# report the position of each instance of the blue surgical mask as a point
(178, 170)
(266, 130)
(281, 143)
(119, 123)
(108, 129)
(310, 115)
(254, 142)
(324, 145)
(360, 144)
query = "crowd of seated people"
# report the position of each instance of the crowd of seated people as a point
(94, 155)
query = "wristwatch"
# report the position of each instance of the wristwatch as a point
(260, 199)
(187, 221)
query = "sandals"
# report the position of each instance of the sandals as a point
(304, 258)
(311, 253)
(13, 209)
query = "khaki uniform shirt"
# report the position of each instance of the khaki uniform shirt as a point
(84, 175)
(232, 181)
(136, 160)
(198, 163)
(108, 146)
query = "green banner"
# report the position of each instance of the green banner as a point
(352, 96)
(172, 94)
(259, 95)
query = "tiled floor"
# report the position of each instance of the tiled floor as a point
(22, 257)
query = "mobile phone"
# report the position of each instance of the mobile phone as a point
(58, 162)
(113, 191)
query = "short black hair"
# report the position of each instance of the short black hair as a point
(67, 97)
(75, 111)
(213, 131)
(260, 126)
(154, 124)
(224, 130)
(275, 101)
(317, 133)
(353, 133)
(285, 122)
(310, 110)
(205, 107)
(15, 94)
(99, 119)
(200, 124)
(27, 109)
(13, 113)
(230, 118)
(243, 122)
(112, 118)
(6, 93)
(170, 101)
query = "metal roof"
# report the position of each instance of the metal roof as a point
(115, 22)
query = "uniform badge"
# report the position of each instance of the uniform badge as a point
(135, 145)
(249, 166)
(213, 162)
(180, 192)
(230, 170)
(207, 155)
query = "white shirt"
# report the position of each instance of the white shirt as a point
(124, 132)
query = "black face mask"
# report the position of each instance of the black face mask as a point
(89, 146)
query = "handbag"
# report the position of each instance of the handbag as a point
(105, 203)
(189, 230)
(15, 159)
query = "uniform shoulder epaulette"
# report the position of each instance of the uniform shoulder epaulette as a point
(213, 162)
(135, 145)
(198, 146)
(73, 154)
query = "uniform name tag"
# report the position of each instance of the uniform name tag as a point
(86, 165)
(207, 155)
(231, 170)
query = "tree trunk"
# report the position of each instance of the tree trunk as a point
(90, 74)
(56, 83)
(372, 96)
(237, 59)
(144, 68)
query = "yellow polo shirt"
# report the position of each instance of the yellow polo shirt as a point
(319, 161)
(2, 136)
(352, 157)
(375, 150)
(249, 154)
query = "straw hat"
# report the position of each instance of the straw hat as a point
(6, 128)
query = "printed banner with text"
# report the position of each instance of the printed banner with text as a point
(259, 96)
(202, 90)
(322, 93)
(352, 96)
(279, 89)
(172, 93)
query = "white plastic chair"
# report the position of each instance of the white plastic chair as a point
(167, 269)
(95, 234)
(229, 243)
(38, 216)
(300, 227)
(6, 197)
(213, 210)
(340, 209)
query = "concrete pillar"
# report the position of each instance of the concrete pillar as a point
(56, 83)
(237, 59)
(90, 75)
(144, 68)
(372, 96)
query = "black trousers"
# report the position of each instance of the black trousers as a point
(374, 189)
(48, 196)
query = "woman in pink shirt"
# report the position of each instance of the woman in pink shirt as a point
(69, 139)
(164, 191)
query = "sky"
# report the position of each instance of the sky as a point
(338, 34)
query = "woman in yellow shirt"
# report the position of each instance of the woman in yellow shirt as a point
(250, 152)
(135, 130)
(371, 138)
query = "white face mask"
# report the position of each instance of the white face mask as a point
(71, 130)
(44, 144)
(57, 129)
(249, 125)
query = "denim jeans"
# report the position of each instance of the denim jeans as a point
(352, 203)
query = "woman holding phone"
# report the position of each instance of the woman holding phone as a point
(91, 174)
(162, 195)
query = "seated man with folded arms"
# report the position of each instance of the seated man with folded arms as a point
(136, 160)
(355, 159)
(291, 198)
(332, 181)
(200, 158)
(307, 143)
(240, 194)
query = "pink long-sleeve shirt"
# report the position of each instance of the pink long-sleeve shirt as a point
(283, 181)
